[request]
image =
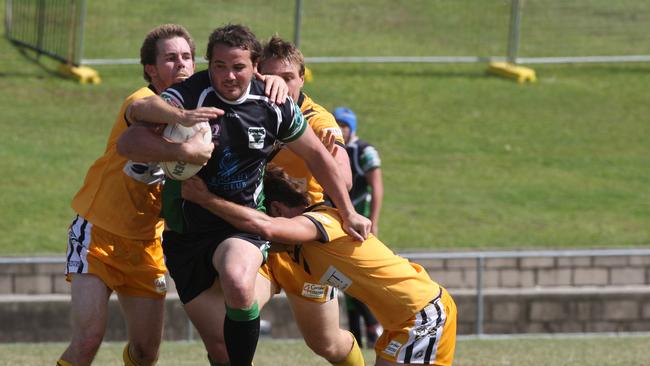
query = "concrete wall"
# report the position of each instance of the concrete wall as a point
(521, 295)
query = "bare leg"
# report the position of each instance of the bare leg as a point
(89, 304)
(319, 325)
(144, 320)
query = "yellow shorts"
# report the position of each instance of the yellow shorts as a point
(285, 273)
(427, 338)
(129, 267)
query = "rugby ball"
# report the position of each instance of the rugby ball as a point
(180, 170)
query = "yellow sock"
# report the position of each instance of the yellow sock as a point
(63, 363)
(126, 356)
(354, 358)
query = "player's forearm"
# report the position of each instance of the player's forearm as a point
(153, 109)
(241, 217)
(141, 143)
(376, 184)
(327, 173)
(343, 161)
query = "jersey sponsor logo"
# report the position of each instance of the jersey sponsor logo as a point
(160, 284)
(256, 137)
(313, 290)
(335, 131)
(335, 278)
(392, 348)
(320, 217)
(227, 178)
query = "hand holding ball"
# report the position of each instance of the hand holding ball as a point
(180, 170)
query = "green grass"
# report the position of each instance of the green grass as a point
(603, 351)
(470, 161)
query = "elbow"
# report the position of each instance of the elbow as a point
(123, 147)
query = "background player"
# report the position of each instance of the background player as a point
(418, 315)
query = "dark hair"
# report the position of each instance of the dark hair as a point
(280, 187)
(276, 47)
(149, 49)
(235, 35)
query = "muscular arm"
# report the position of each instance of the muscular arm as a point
(377, 196)
(340, 156)
(293, 230)
(326, 171)
(143, 142)
(154, 109)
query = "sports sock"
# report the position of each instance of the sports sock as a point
(241, 331)
(63, 363)
(126, 356)
(354, 358)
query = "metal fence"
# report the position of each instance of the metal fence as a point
(456, 31)
(49, 27)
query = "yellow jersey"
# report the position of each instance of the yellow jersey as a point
(123, 203)
(320, 120)
(392, 287)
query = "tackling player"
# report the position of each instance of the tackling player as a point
(114, 242)
(417, 314)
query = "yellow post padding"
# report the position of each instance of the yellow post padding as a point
(511, 71)
(82, 74)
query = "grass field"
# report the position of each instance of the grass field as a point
(470, 161)
(602, 351)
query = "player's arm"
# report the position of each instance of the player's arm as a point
(154, 109)
(326, 171)
(293, 230)
(340, 156)
(143, 142)
(377, 196)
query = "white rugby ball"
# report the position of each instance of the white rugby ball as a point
(180, 170)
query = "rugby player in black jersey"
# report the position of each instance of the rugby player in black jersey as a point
(199, 246)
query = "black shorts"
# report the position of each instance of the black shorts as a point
(189, 258)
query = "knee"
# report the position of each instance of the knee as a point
(88, 345)
(333, 349)
(238, 291)
(144, 354)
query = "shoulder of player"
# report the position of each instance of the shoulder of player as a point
(323, 212)
(143, 92)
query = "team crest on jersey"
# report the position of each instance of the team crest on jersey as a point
(392, 348)
(335, 278)
(161, 284)
(256, 137)
(313, 290)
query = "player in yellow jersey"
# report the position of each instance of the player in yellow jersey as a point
(417, 314)
(114, 242)
(322, 333)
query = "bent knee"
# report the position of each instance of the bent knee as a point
(145, 354)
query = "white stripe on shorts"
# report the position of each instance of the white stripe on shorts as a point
(78, 242)
(424, 336)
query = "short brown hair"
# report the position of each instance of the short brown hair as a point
(235, 35)
(280, 187)
(149, 49)
(276, 47)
